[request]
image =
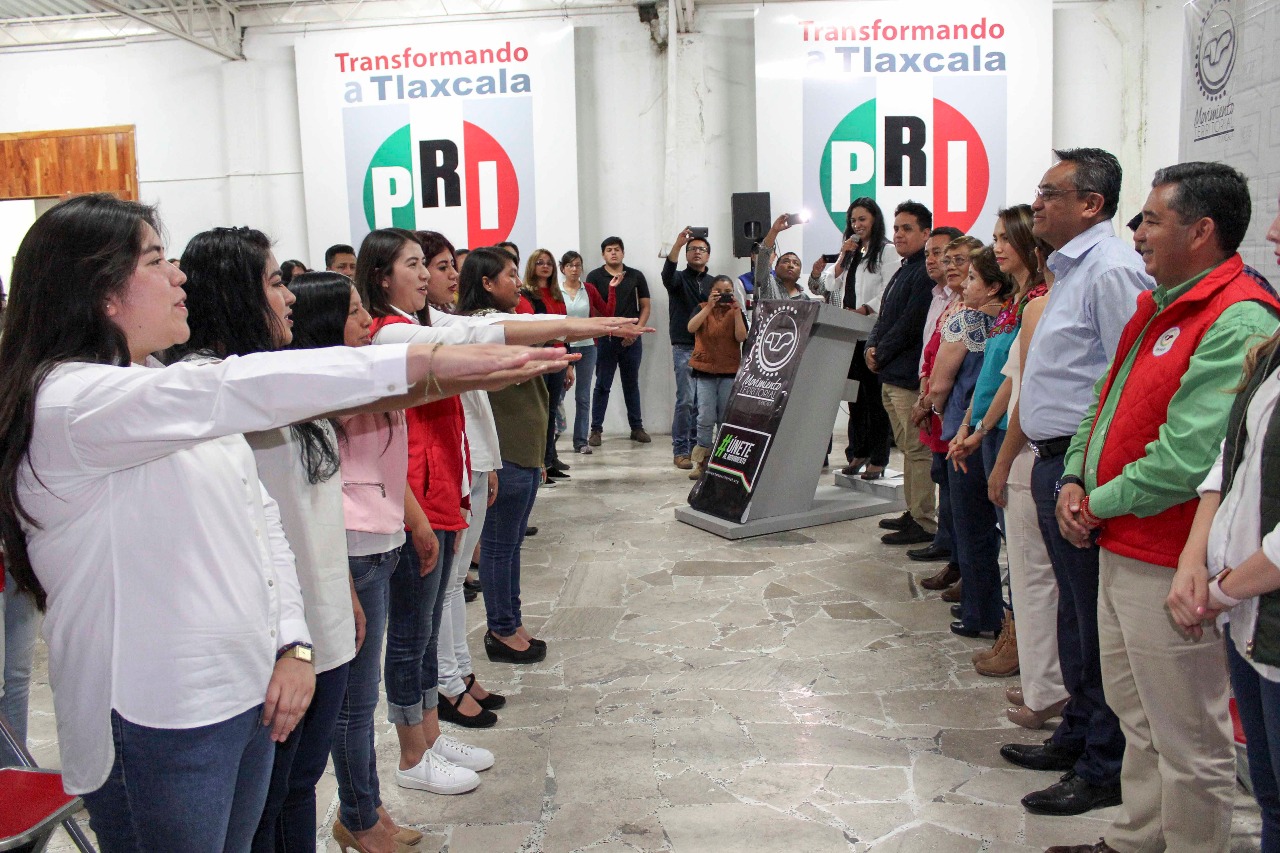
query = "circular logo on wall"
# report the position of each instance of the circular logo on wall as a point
(1215, 51)
(778, 342)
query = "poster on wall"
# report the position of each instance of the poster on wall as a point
(465, 129)
(1230, 89)
(778, 338)
(946, 103)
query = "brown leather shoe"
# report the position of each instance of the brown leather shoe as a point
(1004, 661)
(1101, 847)
(1014, 694)
(683, 463)
(952, 594)
(949, 575)
(1029, 719)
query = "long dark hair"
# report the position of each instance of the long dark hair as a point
(229, 315)
(76, 255)
(433, 243)
(1017, 230)
(873, 246)
(374, 262)
(483, 263)
(320, 314)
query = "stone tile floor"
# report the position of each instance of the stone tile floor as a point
(796, 692)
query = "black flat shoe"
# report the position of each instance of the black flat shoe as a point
(531, 530)
(492, 702)
(1040, 756)
(557, 474)
(1072, 795)
(930, 554)
(448, 710)
(472, 585)
(912, 534)
(563, 466)
(958, 628)
(469, 595)
(500, 652)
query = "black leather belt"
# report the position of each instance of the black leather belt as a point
(1051, 448)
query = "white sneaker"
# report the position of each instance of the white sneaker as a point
(462, 754)
(438, 776)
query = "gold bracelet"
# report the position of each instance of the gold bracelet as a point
(431, 376)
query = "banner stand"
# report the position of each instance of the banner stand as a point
(786, 494)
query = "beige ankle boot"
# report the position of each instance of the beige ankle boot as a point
(699, 458)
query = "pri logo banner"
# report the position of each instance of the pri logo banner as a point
(455, 176)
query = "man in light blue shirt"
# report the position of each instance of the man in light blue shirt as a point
(1097, 281)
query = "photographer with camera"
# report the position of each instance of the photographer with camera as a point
(718, 332)
(687, 289)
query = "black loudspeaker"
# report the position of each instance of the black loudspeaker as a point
(751, 221)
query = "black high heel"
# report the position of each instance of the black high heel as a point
(873, 472)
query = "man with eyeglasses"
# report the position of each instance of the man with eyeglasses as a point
(1097, 281)
(687, 289)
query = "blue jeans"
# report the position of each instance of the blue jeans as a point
(1258, 701)
(288, 821)
(583, 378)
(555, 393)
(1087, 723)
(944, 538)
(21, 623)
(977, 547)
(413, 631)
(611, 355)
(199, 790)
(354, 761)
(684, 421)
(713, 397)
(500, 543)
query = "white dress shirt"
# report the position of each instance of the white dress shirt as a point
(170, 582)
(1236, 534)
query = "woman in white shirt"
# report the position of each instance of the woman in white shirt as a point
(130, 506)
(1230, 567)
(867, 253)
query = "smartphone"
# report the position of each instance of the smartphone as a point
(698, 233)
(797, 218)
(830, 259)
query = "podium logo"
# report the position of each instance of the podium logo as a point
(940, 158)
(778, 343)
(473, 173)
(1215, 56)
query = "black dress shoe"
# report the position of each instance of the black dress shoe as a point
(1044, 756)
(958, 628)
(1072, 795)
(531, 530)
(956, 610)
(557, 474)
(563, 466)
(472, 585)
(500, 652)
(930, 554)
(912, 534)
(469, 595)
(897, 523)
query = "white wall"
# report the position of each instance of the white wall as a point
(218, 141)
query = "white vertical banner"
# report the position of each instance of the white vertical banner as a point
(465, 129)
(1230, 92)
(949, 104)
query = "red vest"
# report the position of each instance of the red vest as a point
(437, 455)
(1157, 371)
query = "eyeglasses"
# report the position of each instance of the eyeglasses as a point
(701, 249)
(1050, 193)
(955, 262)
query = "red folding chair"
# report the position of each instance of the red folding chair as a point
(34, 806)
(32, 802)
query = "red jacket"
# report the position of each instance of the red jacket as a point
(439, 457)
(1148, 389)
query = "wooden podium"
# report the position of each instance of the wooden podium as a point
(787, 493)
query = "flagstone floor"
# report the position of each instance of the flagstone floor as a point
(797, 692)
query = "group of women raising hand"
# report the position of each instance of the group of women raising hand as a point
(214, 541)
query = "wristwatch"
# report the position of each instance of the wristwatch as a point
(299, 651)
(1065, 479)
